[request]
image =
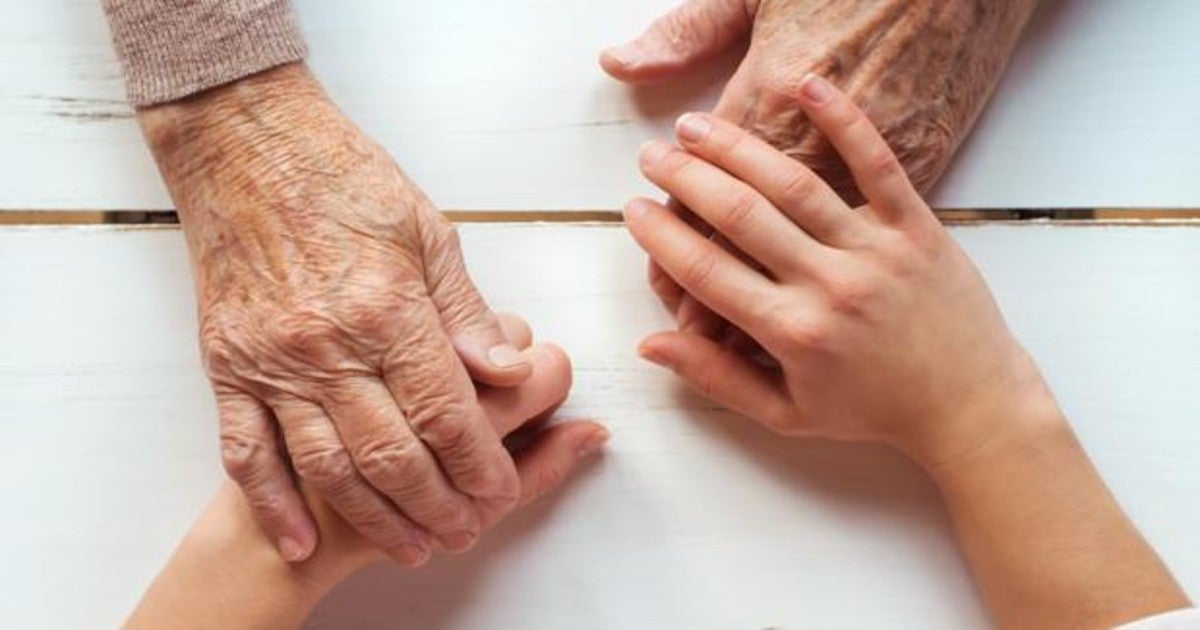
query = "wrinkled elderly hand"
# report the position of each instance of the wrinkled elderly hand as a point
(921, 69)
(338, 325)
(547, 455)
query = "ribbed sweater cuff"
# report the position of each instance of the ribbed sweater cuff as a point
(170, 49)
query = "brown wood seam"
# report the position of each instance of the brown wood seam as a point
(953, 216)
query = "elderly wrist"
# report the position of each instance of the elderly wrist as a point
(249, 128)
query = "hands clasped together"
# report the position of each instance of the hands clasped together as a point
(340, 330)
(365, 388)
(344, 338)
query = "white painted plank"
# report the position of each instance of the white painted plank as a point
(501, 105)
(694, 519)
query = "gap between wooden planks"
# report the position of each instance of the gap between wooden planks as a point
(1071, 216)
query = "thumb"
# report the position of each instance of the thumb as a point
(474, 330)
(680, 40)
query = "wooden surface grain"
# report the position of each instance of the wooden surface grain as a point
(693, 519)
(501, 106)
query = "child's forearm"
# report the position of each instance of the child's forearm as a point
(226, 573)
(1047, 542)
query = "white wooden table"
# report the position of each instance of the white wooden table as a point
(694, 519)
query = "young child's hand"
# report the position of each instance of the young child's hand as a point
(882, 327)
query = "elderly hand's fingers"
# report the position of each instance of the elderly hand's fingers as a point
(722, 375)
(396, 463)
(250, 454)
(437, 396)
(516, 330)
(785, 182)
(472, 326)
(509, 408)
(705, 270)
(554, 454)
(876, 170)
(689, 35)
(323, 463)
(734, 209)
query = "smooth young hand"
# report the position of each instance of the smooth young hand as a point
(882, 327)
(923, 69)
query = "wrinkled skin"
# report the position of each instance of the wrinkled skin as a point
(921, 69)
(337, 321)
(255, 590)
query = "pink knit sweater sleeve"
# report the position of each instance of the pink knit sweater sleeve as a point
(170, 49)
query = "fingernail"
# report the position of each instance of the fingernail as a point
(653, 151)
(815, 88)
(291, 550)
(505, 356)
(623, 54)
(411, 555)
(636, 209)
(654, 357)
(460, 541)
(693, 127)
(593, 442)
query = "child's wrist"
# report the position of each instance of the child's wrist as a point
(230, 524)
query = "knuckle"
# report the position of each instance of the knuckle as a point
(327, 467)
(267, 504)
(799, 335)
(882, 163)
(444, 244)
(729, 142)
(382, 527)
(217, 352)
(797, 187)
(304, 333)
(445, 234)
(845, 117)
(780, 87)
(739, 213)
(370, 320)
(672, 163)
(242, 456)
(444, 427)
(217, 348)
(675, 29)
(699, 267)
(848, 295)
(444, 513)
(391, 462)
(500, 486)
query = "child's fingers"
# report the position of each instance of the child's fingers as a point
(724, 376)
(787, 183)
(705, 270)
(731, 207)
(554, 455)
(549, 381)
(876, 170)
